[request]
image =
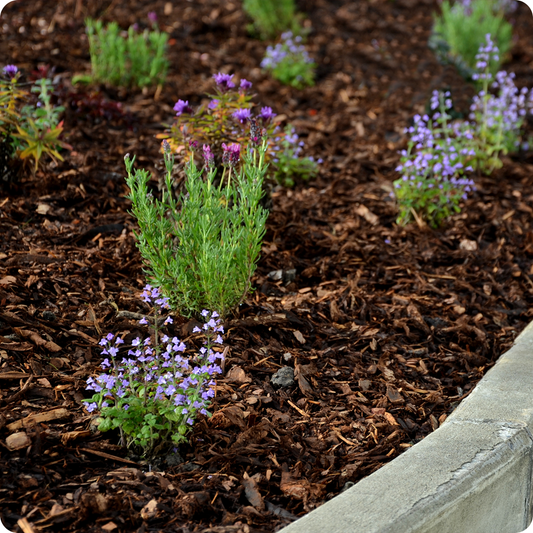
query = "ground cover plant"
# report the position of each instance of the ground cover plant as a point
(379, 329)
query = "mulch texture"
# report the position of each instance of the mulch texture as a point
(386, 328)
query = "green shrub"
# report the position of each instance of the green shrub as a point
(461, 29)
(271, 17)
(137, 59)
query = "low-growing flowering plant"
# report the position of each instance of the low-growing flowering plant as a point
(433, 167)
(289, 62)
(498, 117)
(154, 393)
(130, 59)
(29, 126)
(226, 119)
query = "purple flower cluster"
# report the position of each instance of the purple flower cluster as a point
(161, 374)
(182, 107)
(223, 81)
(433, 168)
(290, 47)
(498, 117)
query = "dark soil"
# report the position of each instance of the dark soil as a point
(387, 328)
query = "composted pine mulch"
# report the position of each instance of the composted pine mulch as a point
(385, 328)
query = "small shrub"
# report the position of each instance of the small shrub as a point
(289, 62)
(154, 393)
(202, 248)
(134, 59)
(225, 119)
(29, 127)
(271, 17)
(460, 30)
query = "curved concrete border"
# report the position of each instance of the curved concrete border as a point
(471, 475)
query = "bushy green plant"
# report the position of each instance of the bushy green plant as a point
(289, 62)
(134, 59)
(460, 30)
(271, 17)
(202, 248)
(30, 130)
(154, 394)
(224, 120)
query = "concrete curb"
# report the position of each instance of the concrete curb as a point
(472, 475)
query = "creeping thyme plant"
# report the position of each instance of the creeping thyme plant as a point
(225, 120)
(154, 393)
(461, 28)
(126, 59)
(202, 248)
(289, 62)
(29, 130)
(441, 152)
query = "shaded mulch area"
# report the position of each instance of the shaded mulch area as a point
(386, 328)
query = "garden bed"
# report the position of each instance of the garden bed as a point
(387, 328)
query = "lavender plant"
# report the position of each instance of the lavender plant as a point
(500, 117)
(225, 120)
(154, 394)
(29, 128)
(289, 62)
(271, 17)
(137, 59)
(461, 28)
(434, 166)
(202, 248)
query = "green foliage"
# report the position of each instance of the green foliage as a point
(202, 248)
(137, 59)
(271, 17)
(461, 29)
(33, 130)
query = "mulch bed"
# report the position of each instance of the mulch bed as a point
(387, 328)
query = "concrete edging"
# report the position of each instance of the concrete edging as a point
(471, 475)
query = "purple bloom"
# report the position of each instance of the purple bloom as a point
(182, 107)
(242, 115)
(10, 71)
(143, 321)
(231, 154)
(266, 114)
(208, 156)
(152, 17)
(245, 84)
(224, 81)
(213, 104)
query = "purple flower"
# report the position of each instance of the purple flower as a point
(242, 115)
(152, 17)
(143, 321)
(169, 320)
(182, 107)
(91, 407)
(224, 81)
(266, 114)
(213, 104)
(245, 84)
(231, 154)
(10, 71)
(208, 156)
